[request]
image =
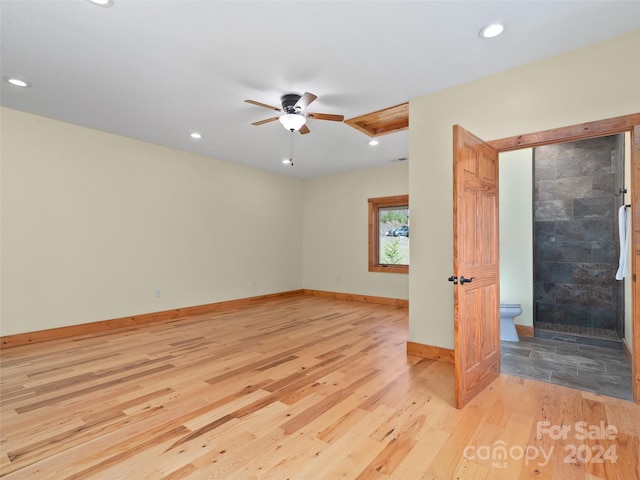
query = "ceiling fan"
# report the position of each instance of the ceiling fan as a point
(293, 116)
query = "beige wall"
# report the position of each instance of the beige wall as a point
(597, 82)
(335, 234)
(93, 224)
(516, 231)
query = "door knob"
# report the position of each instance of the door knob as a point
(465, 280)
(453, 279)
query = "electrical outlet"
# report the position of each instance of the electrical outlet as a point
(157, 293)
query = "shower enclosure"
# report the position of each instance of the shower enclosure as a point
(576, 248)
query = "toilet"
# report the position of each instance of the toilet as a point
(508, 312)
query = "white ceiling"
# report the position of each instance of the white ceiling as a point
(156, 70)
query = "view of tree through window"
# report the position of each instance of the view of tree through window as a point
(389, 234)
(393, 229)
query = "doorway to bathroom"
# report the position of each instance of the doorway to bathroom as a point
(560, 262)
(630, 126)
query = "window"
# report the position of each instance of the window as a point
(389, 234)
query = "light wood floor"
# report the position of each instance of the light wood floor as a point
(298, 387)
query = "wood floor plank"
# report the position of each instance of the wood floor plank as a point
(396, 449)
(294, 387)
(347, 455)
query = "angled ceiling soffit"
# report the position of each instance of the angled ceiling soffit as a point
(382, 122)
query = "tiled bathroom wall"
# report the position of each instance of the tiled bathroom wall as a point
(576, 233)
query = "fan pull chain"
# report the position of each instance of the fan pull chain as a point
(291, 150)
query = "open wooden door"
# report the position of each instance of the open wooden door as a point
(475, 265)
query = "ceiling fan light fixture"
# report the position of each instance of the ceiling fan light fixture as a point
(292, 121)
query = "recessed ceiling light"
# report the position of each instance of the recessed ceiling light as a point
(17, 82)
(195, 135)
(102, 3)
(286, 161)
(492, 30)
(373, 143)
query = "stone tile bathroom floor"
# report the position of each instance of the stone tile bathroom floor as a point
(604, 371)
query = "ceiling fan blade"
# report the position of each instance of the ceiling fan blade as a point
(263, 105)
(304, 101)
(304, 130)
(272, 119)
(326, 116)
